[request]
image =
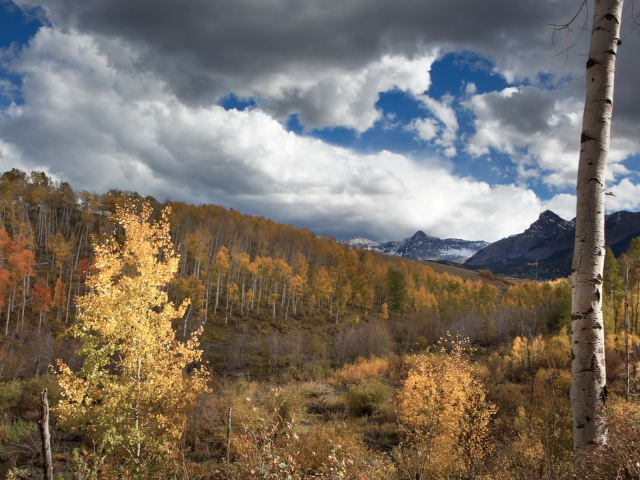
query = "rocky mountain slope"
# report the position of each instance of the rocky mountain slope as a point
(551, 237)
(424, 247)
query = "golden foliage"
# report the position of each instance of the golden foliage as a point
(620, 458)
(131, 395)
(363, 369)
(444, 418)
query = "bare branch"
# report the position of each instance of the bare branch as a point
(568, 27)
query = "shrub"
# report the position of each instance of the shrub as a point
(367, 397)
(444, 419)
(363, 369)
(621, 456)
(10, 393)
(20, 429)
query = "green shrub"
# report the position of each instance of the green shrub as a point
(367, 397)
(10, 393)
(32, 391)
(20, 429)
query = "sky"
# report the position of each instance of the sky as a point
(372, 118)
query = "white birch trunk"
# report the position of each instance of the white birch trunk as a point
(588, 387)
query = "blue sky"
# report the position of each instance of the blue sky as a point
(377, 120)
(449, 76)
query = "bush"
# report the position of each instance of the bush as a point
(367, 397)
(444, 418)
(620, 458)
(10, 393)
(363, 369)
(32, 392)
(20, 429)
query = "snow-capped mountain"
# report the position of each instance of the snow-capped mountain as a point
(424, 247)
(364, 243)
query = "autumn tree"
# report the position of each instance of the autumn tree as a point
(588, 387)
(193, 290)
(131, 395)
(21, 261)
(443, 417)
(60, 296)
(41, 299)
(220, 268)
(613, 288)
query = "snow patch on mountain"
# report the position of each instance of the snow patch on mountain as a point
(424, 247)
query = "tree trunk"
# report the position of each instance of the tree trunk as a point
(215, 309)
(186, 320)
(44, 435)
(626, 345)
(588, 387)
(228, 443)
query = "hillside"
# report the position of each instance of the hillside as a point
(249, 280)
(502, 284)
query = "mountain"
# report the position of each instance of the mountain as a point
(551, 238)
(424, 247)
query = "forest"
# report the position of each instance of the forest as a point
(182, 341)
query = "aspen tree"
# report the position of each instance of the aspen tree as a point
(588, 387)
(220, 267)
(132, 394)
(41, 299)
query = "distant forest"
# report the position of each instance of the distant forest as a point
(263, 278)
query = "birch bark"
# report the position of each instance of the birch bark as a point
(588, 387)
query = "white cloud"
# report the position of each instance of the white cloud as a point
(443, 128)
(99, 124)
(470, 89)
(626, 196)
(426, 128)
(540, 131)
(563, 204)
(337, 97)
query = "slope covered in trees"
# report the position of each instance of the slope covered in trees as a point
(266, 280)
(307, 340)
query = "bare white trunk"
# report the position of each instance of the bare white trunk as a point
(588, 387)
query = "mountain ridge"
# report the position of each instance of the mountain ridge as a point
(421, 246)
(551, 237)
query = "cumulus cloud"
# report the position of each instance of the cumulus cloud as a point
(426, 128)
(110, 127)
(563, 204)
(443, 127)
(124, 94)
(626, 196)
(331, 98)
(540, 130)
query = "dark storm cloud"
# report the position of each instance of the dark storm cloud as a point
(527, 111)
(294, 56)
(208, 48)
(626, 110)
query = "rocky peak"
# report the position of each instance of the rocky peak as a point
(547, 225)
(421, 246)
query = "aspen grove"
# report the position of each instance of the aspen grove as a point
(260, 350)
